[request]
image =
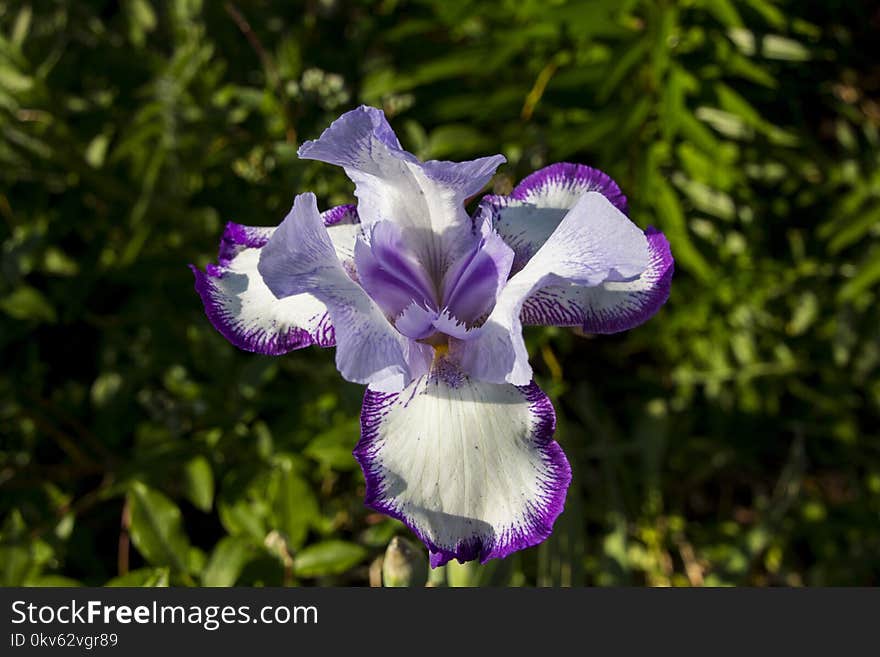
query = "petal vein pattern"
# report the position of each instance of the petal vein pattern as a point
(470, 467)
(611, 307)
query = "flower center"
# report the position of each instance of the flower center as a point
(420, 307)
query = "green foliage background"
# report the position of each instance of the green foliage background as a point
(731, 440)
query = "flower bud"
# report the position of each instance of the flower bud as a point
(405, 564)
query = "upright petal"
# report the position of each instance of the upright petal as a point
(425, 199)
(390, 271)
(472, 284)
(594, 243)
(610, 307)
(470, 467)
(299, 258)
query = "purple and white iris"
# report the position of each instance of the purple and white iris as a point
(425, 305)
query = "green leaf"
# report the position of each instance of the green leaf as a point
(706, 199)
(53, 580)
(28, 303)
(625, 59)
(729, 125)
(770, 46)
(157, 528)
(227, 561)
(665, 26)
(141, 20)
(672, 219)
(55, 261)
(454, 140)
(597, 130)
(96, 151)
(725, 12)
(732, 102)
(14, 81)
(673, 105)
(15, 565)
(698, 134)
(745, 68)
(851, 230)
(333, 448)
(296, 508)
(22, 25)
(151, 577)
(867, 277)
(200, 483)
(105, 388)
(328, 558)
(242, 517)
(770, 12)
(779, 47)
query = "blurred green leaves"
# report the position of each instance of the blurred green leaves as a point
(157, 528)
(328, 558)
(227, 561)
(28, 303)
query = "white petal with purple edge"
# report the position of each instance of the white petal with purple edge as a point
(299, 258)
(245, 311)
(533, 210)
(595, 243)
(610, 307)
(425, 199)
(470, 467)
(528, 217)
(341, 222)
(523, 227)
(560, 185)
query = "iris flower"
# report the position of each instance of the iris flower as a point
(425, 306)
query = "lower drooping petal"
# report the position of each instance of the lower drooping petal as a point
(299, 258)
(245, 311)
(595, 243)
(610, 307)
(470, 467)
